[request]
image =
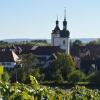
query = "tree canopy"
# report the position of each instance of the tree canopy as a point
(61, 67)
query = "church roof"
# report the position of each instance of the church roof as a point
(47, 50)
(64, 33)
(56, 30)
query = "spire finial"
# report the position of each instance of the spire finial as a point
(57, 17)
(65, 13)
(65, 22)
(57, 22)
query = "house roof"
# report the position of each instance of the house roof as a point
(23, 49)
(46, 50)
(93, 50)
(8, 56)
(52, 57)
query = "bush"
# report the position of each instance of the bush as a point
(58, 78)
(76, 76)
(5, 77)
(36, 73)
(34, 91)
(1, 71)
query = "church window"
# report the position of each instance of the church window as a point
(63, 42)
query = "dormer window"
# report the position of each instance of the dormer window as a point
(3, 49)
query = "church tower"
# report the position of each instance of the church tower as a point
(61, 37)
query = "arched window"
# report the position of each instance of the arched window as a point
(63, 42)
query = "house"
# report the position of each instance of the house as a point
(46, 54)
(87, 57)
(8, 58)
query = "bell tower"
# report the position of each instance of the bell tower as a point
(61, 37)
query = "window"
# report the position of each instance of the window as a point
(3, 64)
(63, 42)
(8, 64)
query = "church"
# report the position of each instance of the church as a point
(60, 43)
(61, 37)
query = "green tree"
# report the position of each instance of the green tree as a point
(26, 68)
(5, 76)
(58, 77)
(28, 63)
(1, 71)
(92, 43)
(61, 66)
(77, 43)
(76, 76)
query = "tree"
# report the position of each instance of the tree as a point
(61, 66)
(77, 43)
(58, 77)
(76, 76)
(1, 71)
(92, 43)
(68, 65)
(5, 76)
(26, 68)
(28, 64)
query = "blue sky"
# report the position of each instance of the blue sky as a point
(35, 19)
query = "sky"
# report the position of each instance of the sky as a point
(35, 19)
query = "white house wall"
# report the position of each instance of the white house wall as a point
(8, 64)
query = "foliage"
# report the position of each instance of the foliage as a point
(94, 77)
(77, 43)
(1, 71)
(34, 91)
(61, 67)
(27, 67)
(28, 61)
(4, 44)
(6, 76)
(33, 43)
(36, 73)
(76, 76)
(92, 43)
(83, 93)
(58, 77)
